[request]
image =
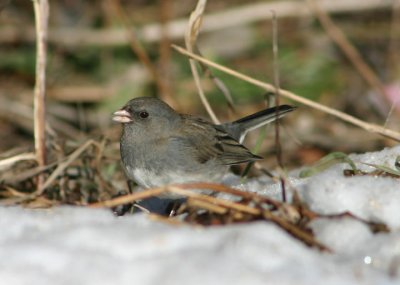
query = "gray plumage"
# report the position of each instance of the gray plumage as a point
(159, 146)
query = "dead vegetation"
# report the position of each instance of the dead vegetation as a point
(73, 167)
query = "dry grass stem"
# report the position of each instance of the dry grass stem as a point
(193, 203)
(277, 99)
(290, 95)
(130, 198)
(10, 161)
(348, 49)
(225, 189)
(296, 231)
(230, 210)
(11, 192)
(16, 178)
(213, 200)
(63, 165)
(185, 192)
(190, 41)
(41, 8)
(218, 82)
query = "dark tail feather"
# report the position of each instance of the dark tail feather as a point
(238, 129)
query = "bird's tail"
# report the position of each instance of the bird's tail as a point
(238, 129)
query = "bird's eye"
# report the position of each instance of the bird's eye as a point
(143, 114)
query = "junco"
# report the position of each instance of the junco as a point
(160, 146)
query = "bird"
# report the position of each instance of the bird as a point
(160, 146)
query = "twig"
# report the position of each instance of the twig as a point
(348, 49)
(16, 178)
(218, 82)
(207, 201)
(213, 200)
(277, 99)
(157, 191)
(295, 231)
(190, 41)
(392, 108)
(224, 189)
(10, 161)
(61, 167)
(130, 198)
(290, 95)
(207, 206)
(13, 192)
(41, 8)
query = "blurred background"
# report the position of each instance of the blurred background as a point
(92, 69)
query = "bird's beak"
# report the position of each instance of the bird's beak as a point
(122, 116)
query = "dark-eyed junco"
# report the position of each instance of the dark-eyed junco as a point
(160, 146)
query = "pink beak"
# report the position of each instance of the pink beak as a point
(122, 116)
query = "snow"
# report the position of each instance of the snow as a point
(72, 245)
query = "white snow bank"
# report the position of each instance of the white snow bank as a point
(69, 245)
(372, 198)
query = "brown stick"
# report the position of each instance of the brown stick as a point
(290, 95)
(41, 8)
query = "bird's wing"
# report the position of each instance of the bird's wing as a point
(205, 142)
